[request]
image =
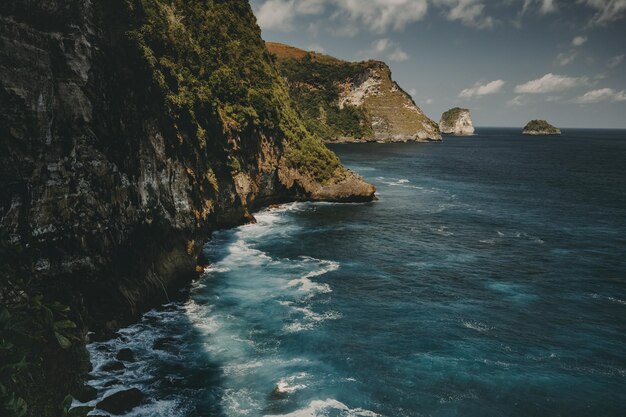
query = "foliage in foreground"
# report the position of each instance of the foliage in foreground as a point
(39, 342)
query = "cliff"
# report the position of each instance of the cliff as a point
(351, 101)
(129, 129)
(540, 128)
(457, 122)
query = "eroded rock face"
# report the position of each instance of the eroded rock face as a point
(457, 121)
(394, 115)
(351, 101)
(112, 192)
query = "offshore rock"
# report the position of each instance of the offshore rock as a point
(457, 121)
(540, 128)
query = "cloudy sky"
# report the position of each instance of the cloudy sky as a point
(509, 61)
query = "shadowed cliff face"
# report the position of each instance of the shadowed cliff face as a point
(131, 129)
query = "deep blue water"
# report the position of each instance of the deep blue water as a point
(488, 280)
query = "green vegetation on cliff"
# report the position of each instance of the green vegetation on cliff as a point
(315, 82)
(209, 61)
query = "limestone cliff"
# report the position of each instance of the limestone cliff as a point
(457, 122)
(129, 129)
(540, 128)
(351, 101)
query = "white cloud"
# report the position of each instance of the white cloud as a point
(385, 48)
(316, 48)
(607, 11)
(383, 15)
(469, 12)
(564, 59)
(279, 15)
(482, 89)
(379, 16)
(399, 56)
(550, 83)
(602, 94)
(430, 101)
(516, 101)
(547, 6)
(616, 61)
(544, 6)
(579, 40)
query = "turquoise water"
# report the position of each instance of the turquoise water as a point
(488, 280)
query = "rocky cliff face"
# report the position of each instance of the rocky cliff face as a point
(351, 102)
(457, 122)
(130, 129)
(540, 128)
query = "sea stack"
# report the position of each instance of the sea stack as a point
(457, 121)
(540, 128)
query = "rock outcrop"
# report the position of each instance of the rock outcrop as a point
(457, 121)
(540, 128)
(351, 101)
(129, 130)
(121, 402)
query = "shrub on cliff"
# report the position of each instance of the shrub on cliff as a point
(38, 341)
(217, 78)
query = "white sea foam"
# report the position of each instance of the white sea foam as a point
(323, 408)
(215, 269)
(239, 402)
(304, 283)
(398, 182)
(201, 317)
(242, 368)
(291, 384)
(616, 300)
(476, 325)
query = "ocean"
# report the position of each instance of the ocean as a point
(489, 279)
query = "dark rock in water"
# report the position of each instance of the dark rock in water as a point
(121, 402)
(79, 412)
(126, 355)
(85, 394)
(103, 348)
(112, 382)
(167, 344)
(112, 366)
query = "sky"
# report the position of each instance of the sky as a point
(508, 61)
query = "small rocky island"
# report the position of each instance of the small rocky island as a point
(457, 121)
(540, 128)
